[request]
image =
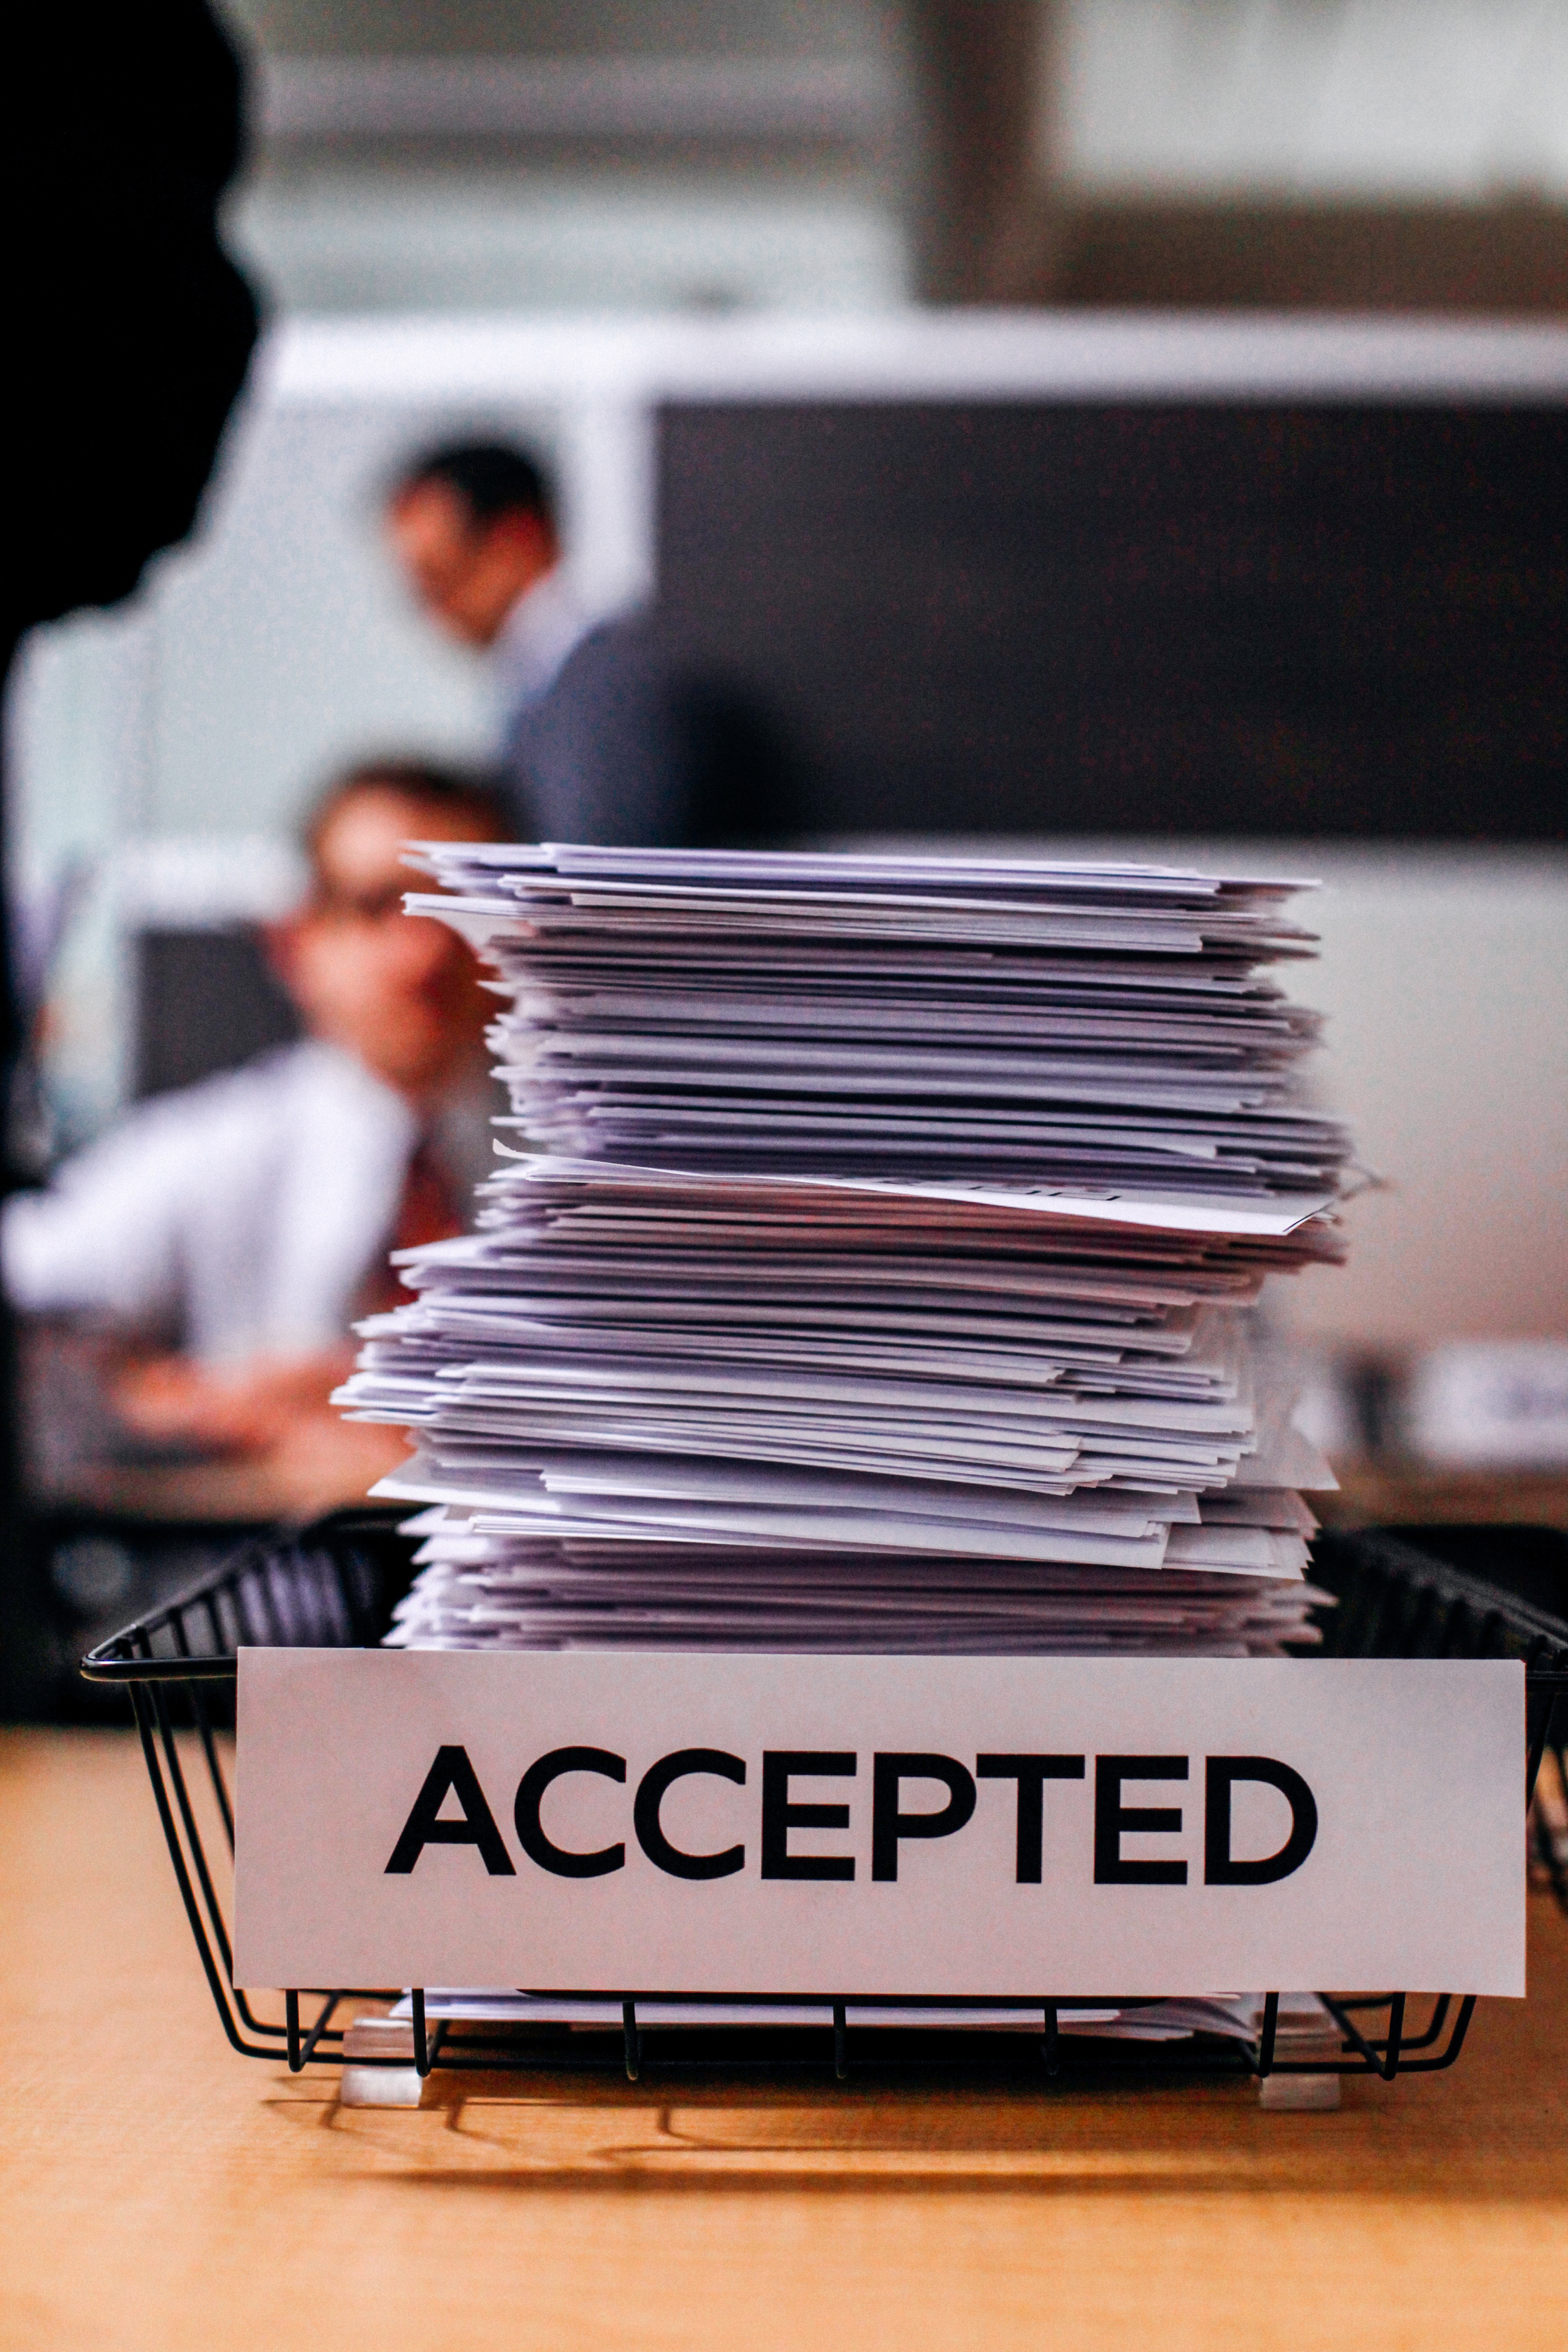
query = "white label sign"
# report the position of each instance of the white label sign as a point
(1022, 1827)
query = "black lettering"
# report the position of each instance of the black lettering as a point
(779, 1816)
(557, 1860)
(451, 1774)
(1113, 1819)
(1031, 1773)
(650, 1796)
(1220, 1866)
(889, 1824)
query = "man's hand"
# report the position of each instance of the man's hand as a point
(281, 1449)
(245, 1409)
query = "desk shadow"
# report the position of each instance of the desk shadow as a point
(1409, 2140)
(1492, 2131)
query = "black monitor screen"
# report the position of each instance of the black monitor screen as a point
(1042, 616)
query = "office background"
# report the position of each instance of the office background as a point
(1050, 423)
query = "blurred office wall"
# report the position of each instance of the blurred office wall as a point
(693, 155)
(1401, 154)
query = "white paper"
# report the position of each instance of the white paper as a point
(1413, 1875)
(906, 1212)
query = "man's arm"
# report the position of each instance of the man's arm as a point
(103, 1241)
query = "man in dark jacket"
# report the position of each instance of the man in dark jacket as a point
(602, 740)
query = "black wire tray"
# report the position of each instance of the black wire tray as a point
(334, 1585)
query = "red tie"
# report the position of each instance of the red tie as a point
(428, 1211)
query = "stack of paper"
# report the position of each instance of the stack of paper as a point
(477, 1592)
(877, 1267)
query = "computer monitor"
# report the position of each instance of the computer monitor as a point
(1114, 616)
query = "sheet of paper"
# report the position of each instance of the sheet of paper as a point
(421, 1817)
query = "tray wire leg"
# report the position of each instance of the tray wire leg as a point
(1457, 2038)
(633, 2040)
(176, 1779)
(193, 1837)
(204, 1723)
(840, 2044)
(1354, 2038)
(1395, 2036)
(302, 2053)
(1441, 2005)
(146, 1723)
(1538, 1714)
(1051, 2047)
(424, 2055)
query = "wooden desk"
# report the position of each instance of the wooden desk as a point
(161, 2192)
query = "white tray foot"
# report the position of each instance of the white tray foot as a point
(1299, 2093)
(379, 2086)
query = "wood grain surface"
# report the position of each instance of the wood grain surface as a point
(159, 2191)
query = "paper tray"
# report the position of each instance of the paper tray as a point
(334, 1585)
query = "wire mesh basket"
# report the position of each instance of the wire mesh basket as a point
(334, 1585)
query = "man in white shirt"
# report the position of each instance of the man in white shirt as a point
(225, 1237)
(602, 741)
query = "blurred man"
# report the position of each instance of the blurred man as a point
(228, 1234)
(601, 739)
